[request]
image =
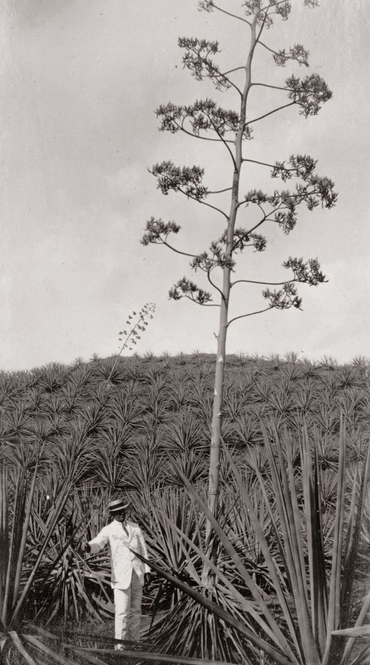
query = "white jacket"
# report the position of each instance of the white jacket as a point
(123, 561)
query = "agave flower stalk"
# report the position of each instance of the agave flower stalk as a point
(135, 328)
(231, 130)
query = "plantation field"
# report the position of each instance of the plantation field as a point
(295, 446)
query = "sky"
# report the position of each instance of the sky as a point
(80, 82)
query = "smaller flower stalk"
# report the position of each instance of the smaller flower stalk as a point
(135, 326)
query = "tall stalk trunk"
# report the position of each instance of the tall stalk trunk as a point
(214, 463)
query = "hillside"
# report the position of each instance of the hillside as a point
(153, 408)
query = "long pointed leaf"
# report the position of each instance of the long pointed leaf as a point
(221, 613)
(358, 625)
(358, 631)
(148, 655)
(28, 658)
(334, 594)
(4, 532)
(53, 655)
(315, 546)
(303, 614)
(26, 522)
(354, 538)
(13, 546)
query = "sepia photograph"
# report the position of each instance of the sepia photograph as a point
(184, 355)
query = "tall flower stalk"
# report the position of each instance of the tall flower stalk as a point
(232, 130)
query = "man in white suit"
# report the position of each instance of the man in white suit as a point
(128, 572)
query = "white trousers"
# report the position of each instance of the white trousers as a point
(127, 606)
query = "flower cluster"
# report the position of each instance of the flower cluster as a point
(309, 93)
(296, 52)
(197, 59)
(187, 180)
(314, 191)
(185, 288)
(157, 231)
(306, 272)
(284, 298)
(203, 115)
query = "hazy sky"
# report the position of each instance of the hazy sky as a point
(80, 81)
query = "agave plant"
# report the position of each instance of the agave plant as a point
(186, 627)
(18, 483)
(67, 585)
(310, 567)
(37, 536)
(107, 456)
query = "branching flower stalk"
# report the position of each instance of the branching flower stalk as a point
(232, 129)
(135, 328)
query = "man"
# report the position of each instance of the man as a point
(128, 572)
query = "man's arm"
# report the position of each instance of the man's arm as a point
(97, 543)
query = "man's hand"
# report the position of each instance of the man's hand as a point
(85, 548)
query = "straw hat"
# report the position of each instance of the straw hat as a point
(118, 505)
